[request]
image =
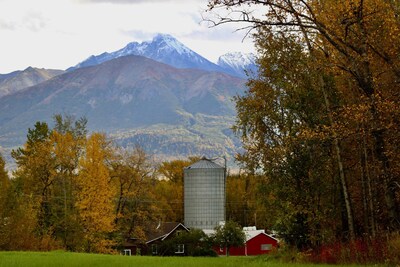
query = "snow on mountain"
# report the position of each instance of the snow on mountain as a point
(161, 43)
(163, 48)
(166, 49)
(237, 59)
(236, 63)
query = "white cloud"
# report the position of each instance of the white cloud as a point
(59, 34)
(135, 1)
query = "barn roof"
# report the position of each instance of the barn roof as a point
(250, 234)
(253, 233)
(204, 163)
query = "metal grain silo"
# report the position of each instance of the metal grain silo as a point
(204, 194)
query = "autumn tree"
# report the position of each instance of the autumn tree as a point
(95, 195)
(169, 188)
(243, 200)
(68, 138)
(45, 174)
(18, 220)
(279, 105)
(352, 51)
(132, 175)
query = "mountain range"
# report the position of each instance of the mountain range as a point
(167, 49)
(169, 100)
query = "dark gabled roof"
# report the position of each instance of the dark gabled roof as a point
(179, 225)
(163, 230)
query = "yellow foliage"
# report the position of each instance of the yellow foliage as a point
(95, 197)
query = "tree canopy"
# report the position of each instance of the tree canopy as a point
(229, 235)
(319, 120)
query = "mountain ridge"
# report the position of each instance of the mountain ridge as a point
(180, 108)
(18, 80)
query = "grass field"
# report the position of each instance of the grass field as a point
(43, 259)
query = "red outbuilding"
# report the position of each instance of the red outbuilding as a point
(257, 243)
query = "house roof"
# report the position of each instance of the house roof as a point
(163, 230)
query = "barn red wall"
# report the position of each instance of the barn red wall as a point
(253, 247)
(254, 244)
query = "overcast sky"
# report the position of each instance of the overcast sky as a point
(58, 34)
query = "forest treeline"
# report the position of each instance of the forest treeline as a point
(320, 120)
(81, 192)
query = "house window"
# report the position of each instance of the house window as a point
(154, 249)
(180, 248)
(266, 246)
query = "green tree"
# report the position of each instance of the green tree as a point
(35, 164)
(4, 203)
(196, 242)
(4, 181)
(229, 235)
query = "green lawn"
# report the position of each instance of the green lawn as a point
(43, 259)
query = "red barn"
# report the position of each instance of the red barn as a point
(257, 243)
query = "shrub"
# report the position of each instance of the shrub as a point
(361, 251)
(203, 252)
(394, 249)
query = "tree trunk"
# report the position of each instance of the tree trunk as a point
(370, 197)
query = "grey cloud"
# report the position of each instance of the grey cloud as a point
(139, 35)
(34, 21)
(226, 34)
(5, 25)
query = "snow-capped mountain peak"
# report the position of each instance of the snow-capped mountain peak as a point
(163, 48)
(237, 59)
(237, 62)
(166, 42)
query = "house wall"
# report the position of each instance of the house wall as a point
(163, 250)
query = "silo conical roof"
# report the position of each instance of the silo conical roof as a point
(205, 163)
